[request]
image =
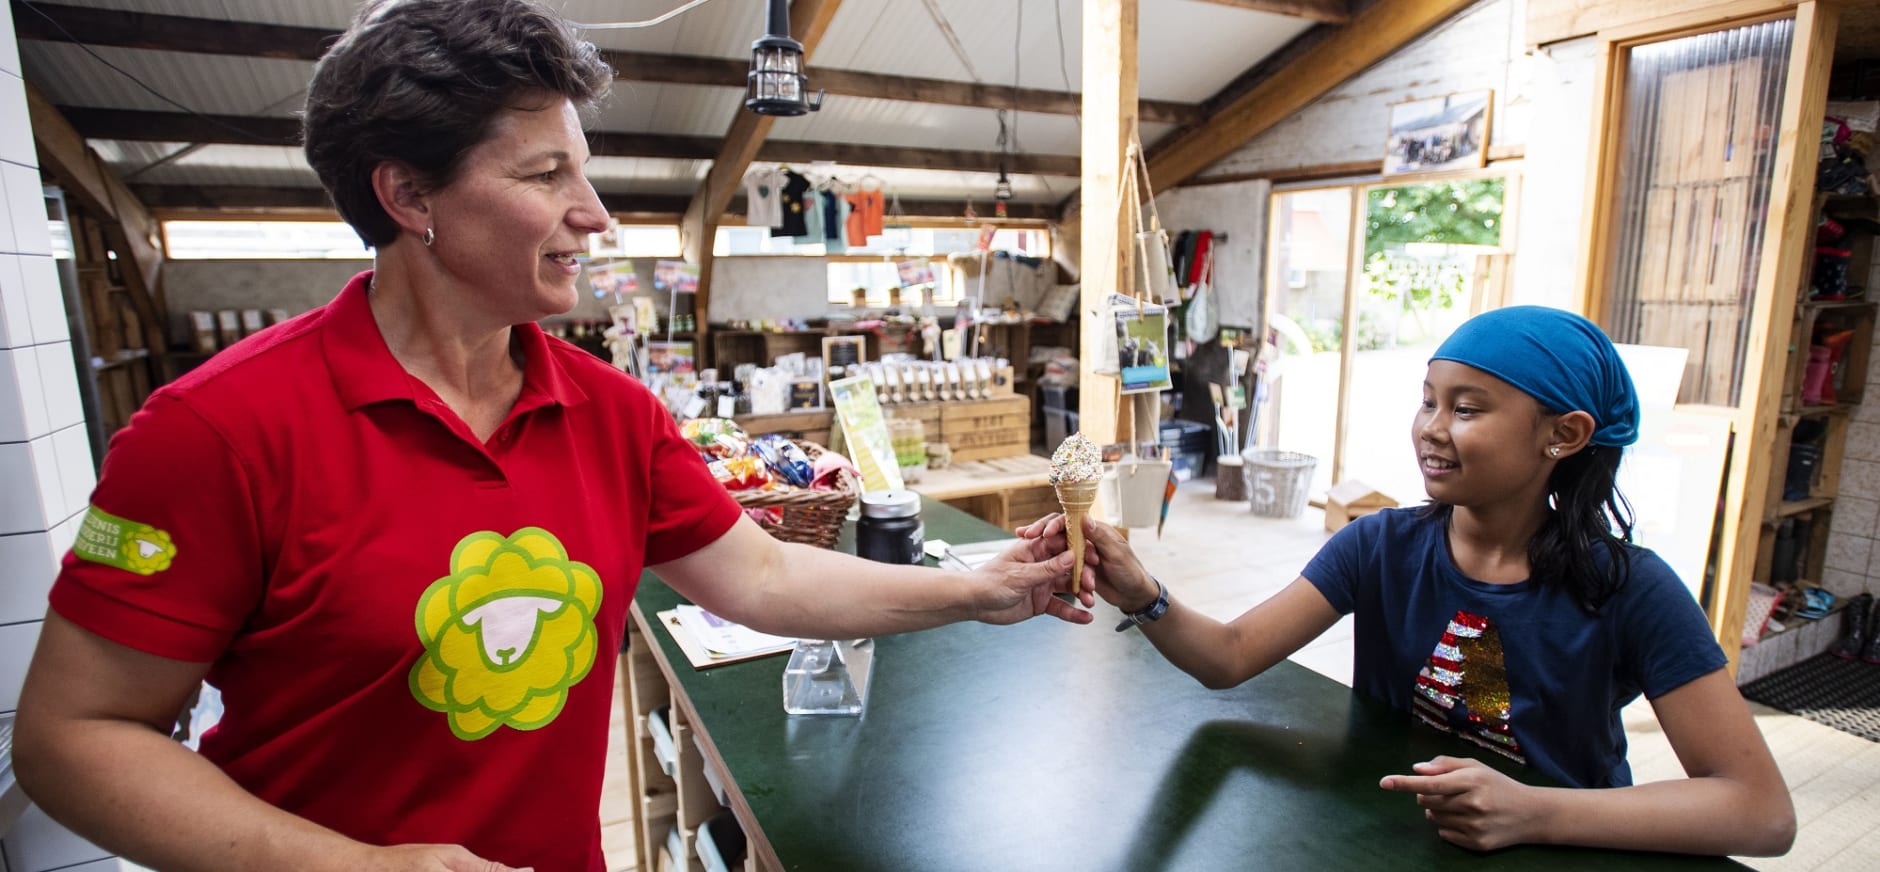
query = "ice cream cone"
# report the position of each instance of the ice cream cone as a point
(1076, 498)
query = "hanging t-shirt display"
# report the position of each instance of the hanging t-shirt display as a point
(812, 218)
(864, 216)
(791, 201)
(763, 191)
(835, 222)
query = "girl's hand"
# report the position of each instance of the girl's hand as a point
(1471, 804)
(1116, 574)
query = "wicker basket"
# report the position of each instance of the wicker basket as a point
(811, 517)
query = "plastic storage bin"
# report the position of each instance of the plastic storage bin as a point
(1189, 445)
(1060, 419)
(1279, 481)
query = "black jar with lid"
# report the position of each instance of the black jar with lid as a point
(890, 530)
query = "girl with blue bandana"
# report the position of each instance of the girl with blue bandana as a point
(1513, 611)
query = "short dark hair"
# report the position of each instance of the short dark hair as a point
(421, 81)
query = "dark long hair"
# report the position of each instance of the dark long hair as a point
(1587, 514)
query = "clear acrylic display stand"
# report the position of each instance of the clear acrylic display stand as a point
(828, 678)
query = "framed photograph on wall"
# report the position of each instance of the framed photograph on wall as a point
(1439, 134)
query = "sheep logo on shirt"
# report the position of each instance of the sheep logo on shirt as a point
(506, 634)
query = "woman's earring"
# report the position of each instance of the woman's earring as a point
(1555, 451)
(430, 236)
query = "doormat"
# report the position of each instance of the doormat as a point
(1843, 694)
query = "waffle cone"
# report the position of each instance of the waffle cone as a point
(1076, 497)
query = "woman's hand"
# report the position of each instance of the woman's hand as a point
(1019, 583)
(1117, 576)
(1471, 804)
(429, 858)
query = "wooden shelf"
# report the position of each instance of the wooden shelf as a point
(123, 357)
(1789, 509)
(1828, 305)
(1825, 411)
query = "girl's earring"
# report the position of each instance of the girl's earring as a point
(1554, 451)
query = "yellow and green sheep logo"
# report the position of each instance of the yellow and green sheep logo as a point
(132, 546)
(506, 634)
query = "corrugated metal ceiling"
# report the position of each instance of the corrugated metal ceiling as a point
(1189, 50)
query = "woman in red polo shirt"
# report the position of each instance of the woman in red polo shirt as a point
(400, 532)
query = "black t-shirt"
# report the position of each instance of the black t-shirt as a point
(794, 187)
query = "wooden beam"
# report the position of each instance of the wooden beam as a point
(101, 27)
(1787, 256)
(122, 29)
(1550, 21)
(1328, 11)
(129, 229)
(1106, 237)
(951, 93)
(1371, 36)
(139, 126)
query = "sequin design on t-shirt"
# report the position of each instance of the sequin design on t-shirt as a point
(506, 634)
(1464, 687)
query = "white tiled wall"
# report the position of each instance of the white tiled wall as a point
(45, 457)
(1854, 535)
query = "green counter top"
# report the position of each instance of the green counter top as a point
(1048, 746)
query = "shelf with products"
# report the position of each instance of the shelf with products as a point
(1824, 381)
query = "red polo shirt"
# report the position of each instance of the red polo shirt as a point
(414, 632)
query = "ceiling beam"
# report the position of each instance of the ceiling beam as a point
(1371, 36)
(120, 29)
(138, 126)
(103, 27)
(203, 201)
(1328, 11)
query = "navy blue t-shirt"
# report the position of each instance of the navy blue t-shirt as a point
(1516, 668)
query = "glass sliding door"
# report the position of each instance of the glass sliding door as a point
(1423, 247)
(1697, 146)
(1310, 249)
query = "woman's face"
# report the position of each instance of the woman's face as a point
(1479, 440)
(519, 211)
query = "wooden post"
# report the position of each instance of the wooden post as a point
(1784, 268)
(1109, 119)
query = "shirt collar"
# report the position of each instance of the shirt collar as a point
(365, 372)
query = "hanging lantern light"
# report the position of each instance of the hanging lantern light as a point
(776, 84)
(1002, 190)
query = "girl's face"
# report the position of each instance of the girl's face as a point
(519, 212)
(1479, 440)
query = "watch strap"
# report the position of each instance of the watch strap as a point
(1153, 611)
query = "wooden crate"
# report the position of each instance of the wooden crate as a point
(973, 429)
(1025, 505)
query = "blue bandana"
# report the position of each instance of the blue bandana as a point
(1556, 357)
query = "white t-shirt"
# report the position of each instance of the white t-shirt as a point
(763, 191)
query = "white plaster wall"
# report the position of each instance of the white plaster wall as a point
(1480, 48)
(1548, 250)
(756, 288)
(1239, 210)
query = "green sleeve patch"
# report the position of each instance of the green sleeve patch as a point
(128, 545)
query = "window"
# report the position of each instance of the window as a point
(898, 240)
(636, 240)
(269, 240)
(882, 277)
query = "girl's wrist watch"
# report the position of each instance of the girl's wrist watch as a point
(1155, 610)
